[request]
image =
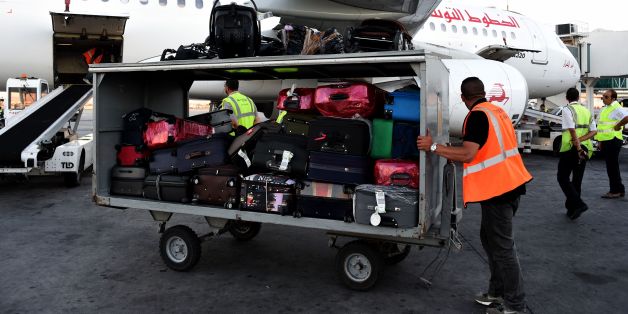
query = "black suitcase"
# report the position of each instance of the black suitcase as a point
(163, 161)
(404, 140)
(241, 149)
(202, 152)
(342, 136)
(325, 200)
(169, 188)
(297, 123)
(234, 30)
(281, 153)
(220, 120)
(400, 206)
(340, 169)
(133, 124)
(218, 186)
(127, 180)
(268, 194)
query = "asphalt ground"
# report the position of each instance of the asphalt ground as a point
(60, 253)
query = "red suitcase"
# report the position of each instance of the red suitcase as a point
(160, 134)
(187, 129)
(131, 155)
(302, 99)
(397, 172)
(345, 100)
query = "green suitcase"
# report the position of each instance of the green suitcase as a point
(382, 138)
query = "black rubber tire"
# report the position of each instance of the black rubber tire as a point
(74, 179)
(367, 267)
(394, 253)
(244, 230)
(558, 142)
(186, 239)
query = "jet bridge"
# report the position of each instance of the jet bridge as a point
(21, 139)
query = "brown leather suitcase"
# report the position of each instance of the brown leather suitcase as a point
(217, 186)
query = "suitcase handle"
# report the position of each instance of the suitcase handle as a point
(339, 96)
(292, 103)
(281, 160)
(404, 178)
(197, 154)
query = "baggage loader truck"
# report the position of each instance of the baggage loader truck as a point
(164, 87)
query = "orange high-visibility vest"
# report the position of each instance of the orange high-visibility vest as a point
(497, 167)
(89, 56)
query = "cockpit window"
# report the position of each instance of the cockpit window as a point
(401, 6)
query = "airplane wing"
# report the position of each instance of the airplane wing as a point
(500, 52)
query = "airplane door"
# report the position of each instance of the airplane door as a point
(539, 43)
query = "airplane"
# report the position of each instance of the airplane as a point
(140, 29)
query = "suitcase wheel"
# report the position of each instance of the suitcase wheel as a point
(229, 205)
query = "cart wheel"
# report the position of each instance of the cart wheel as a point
(72, 179)
(398, 41)
(394, 253)
(244, 230)
(358, 264)
(180, 248)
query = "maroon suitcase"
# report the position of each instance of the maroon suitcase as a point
(131, 155)
(217, 186)
(345, 100)
(397, 172)
(302, 99)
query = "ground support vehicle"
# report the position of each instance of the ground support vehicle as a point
(164, 86)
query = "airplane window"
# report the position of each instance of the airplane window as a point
(163, 2)
(504, 35)
(512, 35)
(443, 27)
(124, 1)
(454, 28)
(464, 29)
(181, 3)
(144, 1)
(432, 26)
(494, 33)
(475, 31)
(484, 32)
(199, 4)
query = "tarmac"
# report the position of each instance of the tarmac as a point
(60, 253)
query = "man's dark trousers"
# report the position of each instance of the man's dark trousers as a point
(611, 150)
(499, 244)
(567, 164)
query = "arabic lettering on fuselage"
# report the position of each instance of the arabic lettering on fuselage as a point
(456, 15)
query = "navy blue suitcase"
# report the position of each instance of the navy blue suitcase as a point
(340, 169)
(405, 106)
(404, 140)
(163, 161)
(202, 152)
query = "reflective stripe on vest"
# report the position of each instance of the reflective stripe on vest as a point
(605, 125)
(497, 167)
(282, 114)
(243, 109)
(580, 119)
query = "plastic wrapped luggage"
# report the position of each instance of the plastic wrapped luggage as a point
(405, 106)
(341, 136)
(159, 134)
(219, 120)
(234, 30)
(386, 206)
(340, 169)
(346, 100)
(163, 161)
(285, 153)
(131, 155)
(300, 100)
(325, 200)
(297, 123)
(202, 152)
(404, 140)
(242, 146)
(397, 172)
(127, 180)
(268, 194)
(187, 129)
(217, 186)
(169, 188)
(382, 139)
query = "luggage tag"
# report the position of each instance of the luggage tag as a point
(245, 157)
(285, 160)
(380, 198)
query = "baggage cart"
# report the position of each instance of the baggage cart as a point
(164, 86)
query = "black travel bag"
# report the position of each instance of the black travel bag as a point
(241, 149)
(220, 120)
(133, 126)
(234, 30)
(297, 123)
(268, 194)
(163, 161)
(325, 200)
(340, 169)
(284, 153)
(169, 188)
(217, 186)
(396, 206)
(342, 136)
(202, 152)
(127, 180)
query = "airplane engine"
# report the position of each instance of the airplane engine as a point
(505, 86)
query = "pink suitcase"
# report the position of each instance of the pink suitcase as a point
(397, 172)
(302, 100)
(345, 100)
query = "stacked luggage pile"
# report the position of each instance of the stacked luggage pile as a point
(343, 151)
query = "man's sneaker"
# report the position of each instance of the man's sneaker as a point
(500, 308)
(487, 299)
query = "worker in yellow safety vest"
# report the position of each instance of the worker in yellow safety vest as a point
(610, 141)
(244, 112)
(576, 148)
(494, 176)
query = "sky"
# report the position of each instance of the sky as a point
(598, 14)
